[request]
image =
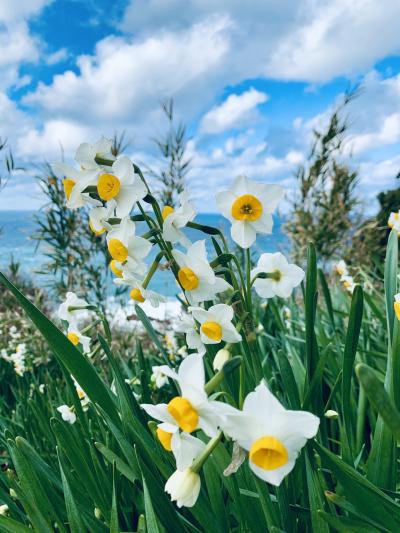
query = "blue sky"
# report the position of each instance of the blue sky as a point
(250, 79)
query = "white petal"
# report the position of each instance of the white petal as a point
(191, 372)
(262, 403)
(269, 195)
(243, 233)
(229, 333)
(275, 476)
(186, 449)
(159, 412)
(264, 224)
(225, 200)
(222, 312)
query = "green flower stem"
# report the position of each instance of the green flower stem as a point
(248, 280)
(105, 162)
(82, 307)
(267, 275)
(153, 268)
(90, 326)
(216, 380)
(211, 445)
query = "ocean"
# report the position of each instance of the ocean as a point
(19, 226)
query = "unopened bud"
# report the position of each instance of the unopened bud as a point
(97, 513)
(332, 415)
(221, 357)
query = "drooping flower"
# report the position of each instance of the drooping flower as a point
(72, 309)
(394, 221)
(125, 247)
(86, 153)
(138, 293)
(191, 410)
(184, 487)
(188, 326)
(196, 276)
(271, 434)
(75, 182)
(249, 206)
(67, 413)
(174, 220)
(216, 324)
(121, 184)
(284, 277)
(76, 337)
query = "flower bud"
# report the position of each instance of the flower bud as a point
(13, 494)
(97, 513)
(3, 509)
(332, 415)
(221, 357)
(184, 487)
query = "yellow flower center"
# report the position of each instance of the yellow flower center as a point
(165, 438)
(167, 210)
(212, 330)
(73, 337)
(118, 250)
(68, 185)
(184, 413)
(247, 207)
(397, 309)
(114, 269)
(136, 295)
(108, 186)
(347, 284)
(268, 453)
(95, 231)
(188, 279)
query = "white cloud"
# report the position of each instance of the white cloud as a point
(235, 111)
(57, 57)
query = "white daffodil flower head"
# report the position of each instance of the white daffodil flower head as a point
(216, 324)
(196, 276)
(98, 217)
(184, 446)
(249, 206)
(121, 184)
(184, 487)
(285, 278)
(348, 283)
(221, 357)
(76, 337)
(273, 435)
(158, 377)
(187, 325)
(174, 220)
(86, 153)
(74, 183)
(4, 509)
(72, 309)
(341, 268)
(67, 413)
(82, 395)
(138, 293)
(125, 247)
(394, 221)
(191, 410)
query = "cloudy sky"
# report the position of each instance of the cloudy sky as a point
(250, 79)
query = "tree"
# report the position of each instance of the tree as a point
(323, 210)
(7, 165)
(175, 164)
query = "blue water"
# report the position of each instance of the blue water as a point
(19, 226)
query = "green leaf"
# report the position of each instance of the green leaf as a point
(379, 398)
(114, 525)
(350, 349)
(347, 525)
(152, 334)
(121, 466)
(74, 516)
(8, 525)
(364, 495)
(151, 519)
(75, 362)
(391, 265)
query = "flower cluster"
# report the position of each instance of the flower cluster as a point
(73, 312)
(17, 358)
(347, 280)
(217, 322)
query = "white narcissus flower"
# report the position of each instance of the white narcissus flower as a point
(86, 153)
(72, 308)
(184, 487)
(284, 276)
(4, 509)
(98, 217)
(121, 184)
(196, 276)
(76, 337)
(271, 434)
(188, 326)
(191, 410)
(138, 293)
(216, 324)
(67, 413)
(125, 247)
(341, 268)
(174, 220)
(348, 283)
(158, 377)
(184, 446)
(249, 206)
(394, 221)
(74, 183)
